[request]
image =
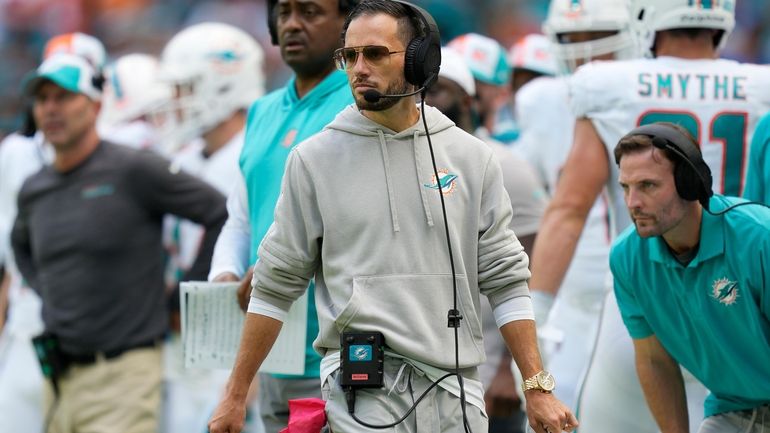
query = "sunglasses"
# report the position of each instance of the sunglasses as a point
(374, 55)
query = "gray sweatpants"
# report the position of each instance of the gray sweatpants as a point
(747, 421)
(438, 412)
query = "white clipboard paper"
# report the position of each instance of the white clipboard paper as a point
(212, 323)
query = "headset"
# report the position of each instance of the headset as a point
(692, 176)
(272, 25)
(422, 57)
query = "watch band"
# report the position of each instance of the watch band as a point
(534, 383)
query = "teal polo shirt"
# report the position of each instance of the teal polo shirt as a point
(713, 315)
(757, 186)
(276, 123)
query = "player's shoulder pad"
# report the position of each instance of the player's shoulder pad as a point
(600, 85)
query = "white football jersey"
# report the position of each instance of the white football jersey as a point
(546, 127)
(718, 101)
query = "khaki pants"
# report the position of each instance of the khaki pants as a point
(119, 395)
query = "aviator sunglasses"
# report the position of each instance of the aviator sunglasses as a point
(374, 55)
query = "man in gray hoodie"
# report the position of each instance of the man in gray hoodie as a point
(360, 212)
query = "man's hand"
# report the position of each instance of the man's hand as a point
(226, 277)
(547, 414)
(229, 416)
(244, 290)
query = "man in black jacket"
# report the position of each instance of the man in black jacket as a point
(88, 238)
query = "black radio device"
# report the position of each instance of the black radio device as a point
(361, 357)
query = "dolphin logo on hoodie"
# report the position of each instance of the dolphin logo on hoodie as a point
(446, 180)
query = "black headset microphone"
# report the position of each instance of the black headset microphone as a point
(373, 96)
(692, 176)
(422, 61)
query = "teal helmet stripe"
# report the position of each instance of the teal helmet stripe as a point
(577, 4)
(116, 87)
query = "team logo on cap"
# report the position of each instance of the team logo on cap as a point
(447, 180)
(725, 291)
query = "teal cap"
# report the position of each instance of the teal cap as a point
(67, 71)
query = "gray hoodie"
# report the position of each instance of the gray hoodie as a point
(359, 210)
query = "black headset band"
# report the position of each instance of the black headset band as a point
(428, 23)
(676, 140)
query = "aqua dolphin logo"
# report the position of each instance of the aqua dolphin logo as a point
(446, 180)
(725, 291)
(360, 352)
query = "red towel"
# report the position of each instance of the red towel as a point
(306, 415)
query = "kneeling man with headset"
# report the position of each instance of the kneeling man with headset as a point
(692, 280)
(401, 241)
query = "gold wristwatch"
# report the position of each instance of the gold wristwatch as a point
(542, 381)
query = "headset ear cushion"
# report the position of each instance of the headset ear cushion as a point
(688, 185)
(413, 63)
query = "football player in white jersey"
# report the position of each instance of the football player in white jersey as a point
(216, 73)
(579, 32)
(717, 100)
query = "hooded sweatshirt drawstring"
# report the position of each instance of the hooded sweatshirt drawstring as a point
(388, 181)
(426, 208)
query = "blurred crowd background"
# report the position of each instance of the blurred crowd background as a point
(128, 26)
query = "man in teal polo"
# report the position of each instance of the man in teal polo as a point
(692, 279)
(308, 33)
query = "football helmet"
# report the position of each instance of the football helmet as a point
(571, 16)
(132, 90)
(214, 70)
(650, 16)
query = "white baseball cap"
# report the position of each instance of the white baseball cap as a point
(454, 67)
(486, 58)
(533, 52)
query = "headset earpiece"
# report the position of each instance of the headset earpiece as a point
(410, 61)
(422, 59)
(692, 176)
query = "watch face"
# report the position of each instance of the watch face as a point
(546, 381)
